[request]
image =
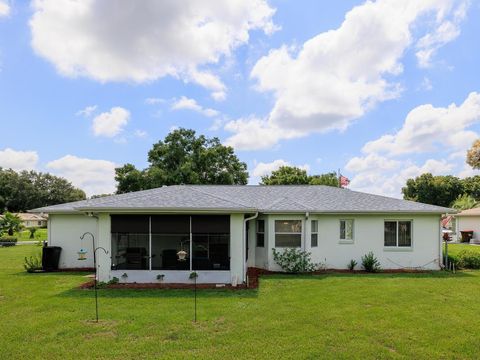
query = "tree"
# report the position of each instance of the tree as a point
(473, 155)
(329, 179)
(472, 186)
(464, 202)
(21, 191)
(10, 223)
(184, 158)
(286, 175)
(435, 190)
(292, 175)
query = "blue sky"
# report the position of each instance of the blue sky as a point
(383, 90)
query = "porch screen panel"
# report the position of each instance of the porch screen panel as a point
(130, 242)
(170, 234)
(211, 242)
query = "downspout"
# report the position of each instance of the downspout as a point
(307, 215)
(244, 245)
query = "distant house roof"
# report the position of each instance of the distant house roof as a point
(29, 217)
(246, 198)
(469, 212)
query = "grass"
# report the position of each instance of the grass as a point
(455, 249)
(24, 235)
(345, 316)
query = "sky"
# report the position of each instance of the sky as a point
(383, 90)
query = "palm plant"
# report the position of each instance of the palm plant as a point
(465, 202)
(10, 223)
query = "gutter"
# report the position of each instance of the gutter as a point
(244, 244)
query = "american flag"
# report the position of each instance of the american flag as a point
(344, 181)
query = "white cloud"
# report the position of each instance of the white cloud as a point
(338, 75)
(4, 8)
(111, 123)
(254, 133)
(262, 169)
(387, 163)
(154, 101)
(426, 84)
(87, 112)
(446, 31)
(145, 40)
(92, 176)
(428, 128)
(185, 103)
(140, 133)
(18, 160)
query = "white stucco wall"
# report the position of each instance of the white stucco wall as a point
(237, 248)
(465, 223)
(65, 231)
(368, 236)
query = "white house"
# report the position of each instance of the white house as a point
(220, 231)
(469, 220)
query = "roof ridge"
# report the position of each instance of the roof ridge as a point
(220, 197)
(285, 198)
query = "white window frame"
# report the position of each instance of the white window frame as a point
(260, 232)
(313, 233)
(396, 247)
(288, 233)
(345, 240)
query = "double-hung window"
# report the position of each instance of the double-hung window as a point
(398, 233)
(260, 233)
(346, 230)
(314, 234)
(288, 233)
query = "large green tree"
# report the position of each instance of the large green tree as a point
(435, 190)
(21, 191)
(184, 158)
(292, 175)
(286, 175)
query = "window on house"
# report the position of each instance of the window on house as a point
(314, 235)
(346, 229)
(260, 233)
(398, 233)
(288, 233)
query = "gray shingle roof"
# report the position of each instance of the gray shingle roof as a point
(247, 198)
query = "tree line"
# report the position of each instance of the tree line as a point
(24, 190)
(184, 157)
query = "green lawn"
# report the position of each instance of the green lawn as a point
(24, 235)
(349, 316)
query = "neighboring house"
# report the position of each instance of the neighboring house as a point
(220, 231)
(469, 220)
(31, 220)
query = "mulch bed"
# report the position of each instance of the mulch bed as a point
(253, 275)
(147, 286)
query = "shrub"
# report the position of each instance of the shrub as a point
(8, 240)
(33, 263)
(294, 260)
(351, 265)
(468, 259)
(370, 263)
(32, 230)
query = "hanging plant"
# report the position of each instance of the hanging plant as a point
(193, 275)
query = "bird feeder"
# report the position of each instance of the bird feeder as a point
(182, 254)
(82, 254)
